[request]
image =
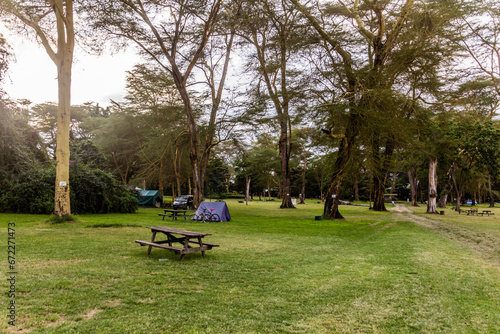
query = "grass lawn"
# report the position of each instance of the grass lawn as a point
(276, 271)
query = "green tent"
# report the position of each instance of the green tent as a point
(150, 198)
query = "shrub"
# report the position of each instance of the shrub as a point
(91, 191)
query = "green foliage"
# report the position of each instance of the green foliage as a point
(21, 147)
(85, 151)
(31, 192)
(231, 195)
(217, 177)
(91, 190)
(95, 191)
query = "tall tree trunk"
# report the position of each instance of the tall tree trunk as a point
(160, 178)
(433, 180)
(413, 177)
(455, 186)
(284, 151)
(393, 184)
(443, 198)
(380, 167)
(247, 191)
(269, 189)
(492, 198)
(177, 175)
(379, 191)
(303, 186)
(62, 206)
(356, 188)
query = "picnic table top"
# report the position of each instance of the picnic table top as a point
(167, 229)
(174, 211)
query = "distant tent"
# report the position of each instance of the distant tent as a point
(219, 208)
(150, 198)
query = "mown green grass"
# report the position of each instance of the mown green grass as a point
(488, 224)
(276, 271)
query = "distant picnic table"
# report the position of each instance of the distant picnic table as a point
(187, 239)
(174, 214)
(475, 212)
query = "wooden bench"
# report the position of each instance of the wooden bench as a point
(187, 238)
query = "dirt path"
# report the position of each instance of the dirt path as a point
(487, 245)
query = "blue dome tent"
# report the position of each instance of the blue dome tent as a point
(219, 208)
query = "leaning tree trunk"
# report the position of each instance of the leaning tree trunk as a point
(331, 209)
(433, 180)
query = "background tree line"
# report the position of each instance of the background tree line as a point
(335, 100)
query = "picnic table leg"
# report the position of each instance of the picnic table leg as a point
(201, 245)
(152, 240)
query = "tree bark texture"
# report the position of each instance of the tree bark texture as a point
(63, 59)
(346, 145)
(381, 165)
(433, 180)
(62, 206)
(247, 190)
(303, 185)
(443, 198)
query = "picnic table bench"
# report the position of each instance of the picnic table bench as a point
(174, 214)
(186, 239)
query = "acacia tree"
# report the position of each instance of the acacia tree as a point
(381, 35)
(159, 125)
(272, 28)
(476, 145)
(173, 34)
(42, 16)
(374, 57)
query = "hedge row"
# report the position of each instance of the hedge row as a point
(91, 191)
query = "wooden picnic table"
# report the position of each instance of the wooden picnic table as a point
(471, 212)
(187, 239)
(487, 212)
(174, 214)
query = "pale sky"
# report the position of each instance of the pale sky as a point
(33, 75)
